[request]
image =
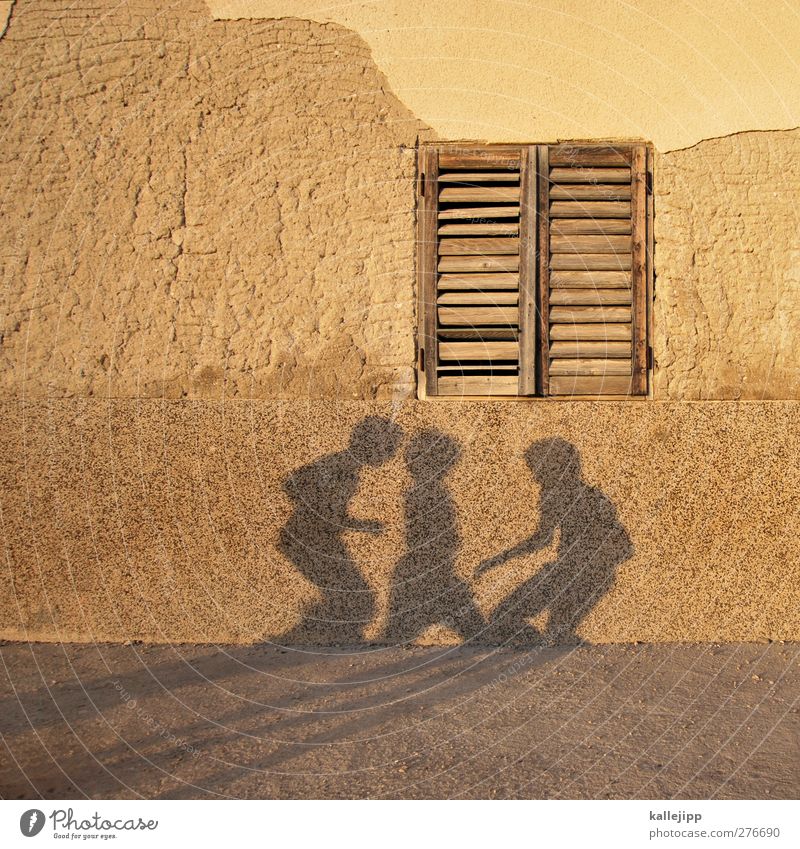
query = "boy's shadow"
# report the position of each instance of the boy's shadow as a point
(321, 493)
(593, 543)
(426, 590)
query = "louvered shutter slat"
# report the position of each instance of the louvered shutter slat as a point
(590, 349)
(472, 316)
(603, 331)
(478, 281)
(474, 245)
(480, 194)
(588, 156)
(478, 351)
(591, 262)
(487, 334)
(479, 263)
(481, 308)
(594, 209)
(498, 228)
(590, 226)
(480, 177)
(605, 244)
(595, 315)
(600, 367)
(477, 298)
(479, 212)
(497, 384)
(589, 297)
(593, 272)
(606, 384)
(597, 192)
(590, 279)
(591, 175)
(480, 158)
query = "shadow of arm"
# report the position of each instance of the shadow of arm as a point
(541, 539)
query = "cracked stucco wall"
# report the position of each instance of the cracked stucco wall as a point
(727, 308)
(197, 208)
(203, 210)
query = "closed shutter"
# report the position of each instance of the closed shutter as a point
(476, 256)
(593, 269)
(533, 269)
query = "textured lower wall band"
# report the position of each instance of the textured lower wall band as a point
(312, 522)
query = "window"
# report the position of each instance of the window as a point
(534, 270)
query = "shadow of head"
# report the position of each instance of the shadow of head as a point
(431, 454)
(375, 440)
(555, 463)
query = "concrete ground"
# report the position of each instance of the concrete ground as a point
(101, 721)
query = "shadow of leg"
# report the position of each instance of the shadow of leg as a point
(509, 620)
(348, 602)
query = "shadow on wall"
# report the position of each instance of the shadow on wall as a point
(592, 544)
(426, 589)
(312, 538)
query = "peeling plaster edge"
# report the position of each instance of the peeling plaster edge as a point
(732, 135)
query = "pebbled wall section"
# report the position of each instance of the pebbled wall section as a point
(162, 520)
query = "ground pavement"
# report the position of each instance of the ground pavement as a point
(700, 721)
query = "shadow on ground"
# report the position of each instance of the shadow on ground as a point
(588, 722)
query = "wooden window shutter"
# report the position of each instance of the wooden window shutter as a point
(476, 218)
(593, 269)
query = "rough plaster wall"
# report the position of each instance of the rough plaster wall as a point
(727, 307)
(195, 208)
(519, 70)
(160, 520)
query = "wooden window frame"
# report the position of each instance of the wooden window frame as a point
(533, 326)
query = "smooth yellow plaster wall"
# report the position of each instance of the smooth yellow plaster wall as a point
(5, 14)
(504, 70)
